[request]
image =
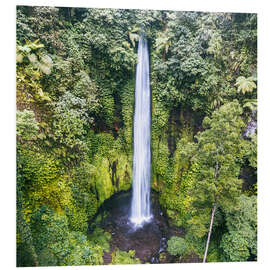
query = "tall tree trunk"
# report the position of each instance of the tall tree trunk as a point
(210, 231)
(34, 254)
(164, 55)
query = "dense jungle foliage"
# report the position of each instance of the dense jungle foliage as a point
(75, 103)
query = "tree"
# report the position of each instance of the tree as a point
(177, 246)
(240, 242)
(163, 43)
(57, 245)
(218, 155)
(235, 247)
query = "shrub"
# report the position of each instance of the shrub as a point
(177, 246)
(101, 238)
(123, 257)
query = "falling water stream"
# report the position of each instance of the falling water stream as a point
(140, 205)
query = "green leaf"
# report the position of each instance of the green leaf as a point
(245, 85)
(251, 104)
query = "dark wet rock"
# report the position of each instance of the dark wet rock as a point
(191, 258)
(251, 126)
(166, 257)
(107, 257)
(155, 259)
(249, 175)
(250, 129)
(163, 244)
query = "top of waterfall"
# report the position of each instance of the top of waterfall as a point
(143, 34)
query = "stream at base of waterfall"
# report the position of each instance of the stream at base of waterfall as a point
(149, 241)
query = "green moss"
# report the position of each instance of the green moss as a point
(77, 219)
(174, 176)
(103, 183)
(127, 100)
(111, 166)
(103, 177)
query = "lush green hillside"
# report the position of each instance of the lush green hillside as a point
(75, 103)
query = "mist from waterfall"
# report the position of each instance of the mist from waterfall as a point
(140, 205)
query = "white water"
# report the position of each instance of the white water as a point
(140, 205)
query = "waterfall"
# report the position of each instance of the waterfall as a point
(140, 205)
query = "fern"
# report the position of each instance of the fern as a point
(134, 35)
(163, 42)
(250, 104)
(245, 85)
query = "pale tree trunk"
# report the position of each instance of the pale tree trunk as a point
(34, 254)
(210, 231)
